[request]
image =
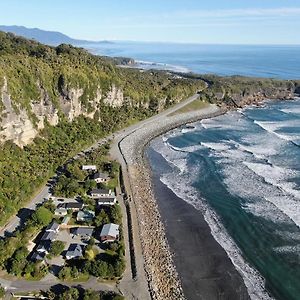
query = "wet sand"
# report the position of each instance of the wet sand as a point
(203, 266)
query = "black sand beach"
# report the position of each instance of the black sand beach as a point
(203, 266)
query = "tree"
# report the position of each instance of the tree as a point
(70, 294)
(101, 218)
(42, 216)
(119, 266)
(64, 273)
(57, 248)
(2, 292)
(99, 268)
(91, 295)
(18, 261)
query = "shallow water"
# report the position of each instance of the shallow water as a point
(242, 171)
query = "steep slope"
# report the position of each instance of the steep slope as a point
(54, 101)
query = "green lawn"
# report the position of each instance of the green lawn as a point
(195, 105)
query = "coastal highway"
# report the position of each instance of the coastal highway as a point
(44, 193)
(132, 287)
(22, 215)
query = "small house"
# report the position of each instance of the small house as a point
(107, 201)
(74, 251)
(89, 168)
(85, 215)
(60, 212)
(85, 232)
(101, 193)
(109, 233)
(49, 236)
(74, 206)
(52, 227)
(38, 256)
(101, 177)
(44, 247)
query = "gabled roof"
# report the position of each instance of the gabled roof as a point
(110, 229)
(48, 235)
(110, 199)
(71, 205)
(89, 167)
(44, 246)
(100, 175)
(75, 250)
(85, 214)
(83, 231)
(100, 191)
(53, 226)
(38, 256)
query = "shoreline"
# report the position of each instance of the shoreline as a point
(205, 269)
(162, 277)
(158, 261)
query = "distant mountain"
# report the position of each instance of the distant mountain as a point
(53, 38)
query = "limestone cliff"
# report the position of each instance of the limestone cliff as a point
(21, 126)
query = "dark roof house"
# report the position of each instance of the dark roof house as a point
(100, 177)
(83, 231)
(75, 206)
(107, 201)
(53, 226)
(44, 247)
(74, 251)
(38, 256)
(49, 236)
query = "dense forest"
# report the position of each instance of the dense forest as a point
(31, 70)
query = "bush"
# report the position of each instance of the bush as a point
(42, 216)
(57, 248)
(2, 291)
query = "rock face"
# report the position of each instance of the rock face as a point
(21, 125)
(15, 122)
(243, 97)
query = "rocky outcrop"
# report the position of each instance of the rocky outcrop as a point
(114, 97)
(22, 125)
(242, 98)
(15, 122)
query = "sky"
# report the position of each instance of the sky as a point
(184, 21)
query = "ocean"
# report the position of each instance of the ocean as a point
(258, 61)
(241, 171)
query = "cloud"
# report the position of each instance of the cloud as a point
(249, 12)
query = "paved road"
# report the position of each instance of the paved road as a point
(49, 281)
(22, 215)
(129, 284)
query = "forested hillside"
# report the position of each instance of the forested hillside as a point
(56, 100)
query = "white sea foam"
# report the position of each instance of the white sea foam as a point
(277, 176)
(216, 146)
(182, 188)
(273, 127)
(288, 205)
(289, 249)
(265, 210)
(160, 66)
(291, 110)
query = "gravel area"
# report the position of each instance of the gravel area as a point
(163, 280)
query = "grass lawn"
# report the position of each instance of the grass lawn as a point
(83, 277)
(195, 105)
